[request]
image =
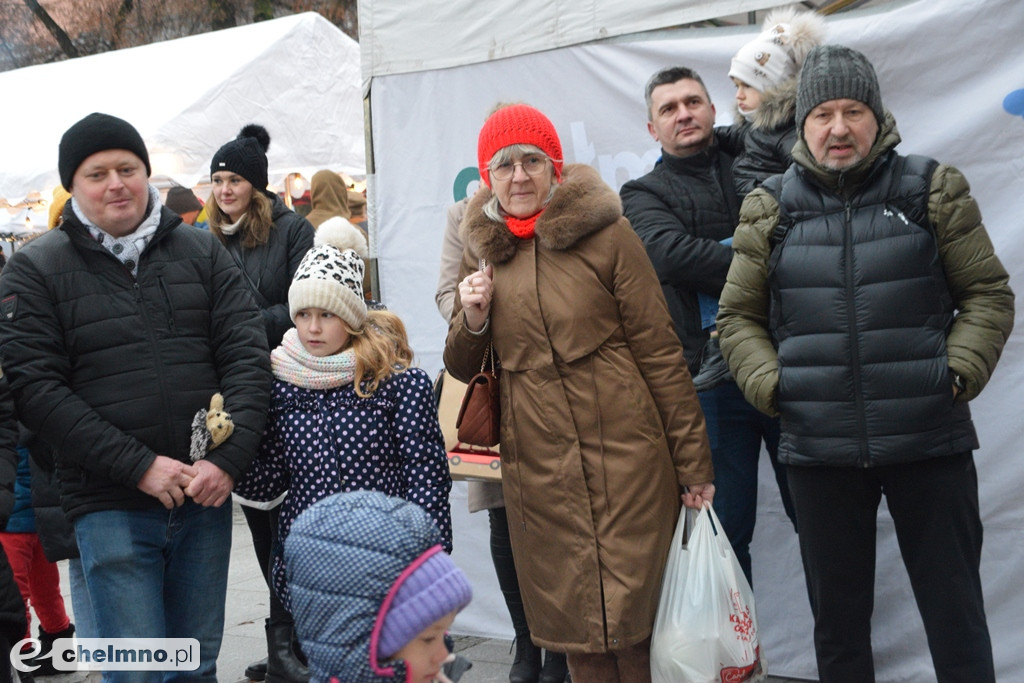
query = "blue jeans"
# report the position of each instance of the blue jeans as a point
(708, 306)
(159, 574)
(736, 430)
(81, 604)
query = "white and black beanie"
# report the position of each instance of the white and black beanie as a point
(330, 275)
(777, 53)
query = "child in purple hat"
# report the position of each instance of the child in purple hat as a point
(371, 589)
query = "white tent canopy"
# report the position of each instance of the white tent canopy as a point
(948, 70)
(444, 34)
(298, 76)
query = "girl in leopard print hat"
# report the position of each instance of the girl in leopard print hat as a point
(348, 410)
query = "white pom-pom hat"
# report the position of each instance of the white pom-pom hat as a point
(330, 276)
(778, 52)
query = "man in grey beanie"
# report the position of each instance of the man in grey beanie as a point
(115, 329)
(865, 305)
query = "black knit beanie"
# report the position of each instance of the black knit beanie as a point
(182, 200)
(834, 72)
(97, 133)
(246, 155)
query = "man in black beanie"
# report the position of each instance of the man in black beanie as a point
(115, 329)
(866, 306)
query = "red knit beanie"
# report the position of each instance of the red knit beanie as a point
(518, 124)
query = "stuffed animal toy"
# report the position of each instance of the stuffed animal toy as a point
(210, 428)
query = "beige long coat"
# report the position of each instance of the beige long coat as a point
(601, 427)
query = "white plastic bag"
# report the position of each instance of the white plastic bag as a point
(706, 626)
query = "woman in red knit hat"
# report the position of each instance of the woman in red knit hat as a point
(601, 433)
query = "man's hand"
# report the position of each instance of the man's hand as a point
(698, 494)
(211, 485)
(166, 480)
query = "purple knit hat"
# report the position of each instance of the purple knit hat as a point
(431, 587)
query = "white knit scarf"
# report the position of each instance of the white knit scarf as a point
(290, 362)
(128, 248)
(232, 228)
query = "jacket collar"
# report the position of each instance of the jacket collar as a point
(581, 205)
(695, 163)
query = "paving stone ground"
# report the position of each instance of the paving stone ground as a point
(244, 639)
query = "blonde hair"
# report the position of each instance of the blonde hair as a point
(256, 224)
(381, 348)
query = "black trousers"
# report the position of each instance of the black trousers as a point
(934, 507)
(505, 569)
(263, 527)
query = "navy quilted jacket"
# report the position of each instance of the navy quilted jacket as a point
(343, 555)
(320, 442)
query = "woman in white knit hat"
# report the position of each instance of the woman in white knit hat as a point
(348, 411)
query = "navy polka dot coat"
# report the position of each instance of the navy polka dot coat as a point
(321, 442)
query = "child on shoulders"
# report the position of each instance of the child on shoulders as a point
(761, 138)
(765, 73)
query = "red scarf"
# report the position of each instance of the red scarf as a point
(523, 227)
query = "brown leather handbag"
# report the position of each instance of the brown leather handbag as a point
(479, 421)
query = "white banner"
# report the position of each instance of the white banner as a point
(952, 74)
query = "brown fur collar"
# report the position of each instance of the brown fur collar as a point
(581, 205)
(778, 107)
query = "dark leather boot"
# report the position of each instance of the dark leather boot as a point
(554, 669)
(526, 665)
(257, 671)
(285, 662)
(43, 659)
(713, 368)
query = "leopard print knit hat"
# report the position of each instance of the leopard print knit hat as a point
(330, 275)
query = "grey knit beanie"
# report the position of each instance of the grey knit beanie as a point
(834, 72)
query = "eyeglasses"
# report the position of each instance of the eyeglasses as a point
(532, 166)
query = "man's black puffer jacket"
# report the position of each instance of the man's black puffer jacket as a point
(682, 210)
(110, 369)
